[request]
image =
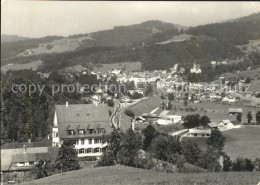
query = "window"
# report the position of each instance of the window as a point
(101, 131)
(82, 141)
(97, 141)
(81, 151)
(77, 142)
(90, 141)
(90, 131)
(96, 150)
(55, 134)
(103, 141)
(89, 150)
(31, 163)
(104, 149)
(81, 132)
(71, 132)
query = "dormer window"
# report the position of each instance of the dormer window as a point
(91, 131)
(101, 130)
(71, 132)
(81, 132)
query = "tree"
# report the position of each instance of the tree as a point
(249, 117)
(257, 117)
(239, 117)
(216, 140)
(130, 113)
(149, 133)
(159, 147)
(114, 143)
(169, 105)
(40, 170)
(170, 96)
(67, 157)
(191, 121)
(107, 159)
(227, 163)
(131, 144)
(110, 102)
(191, 151)
(210, 160)
(204, 120)
(186, 99)
(243, 164)
(257, 164)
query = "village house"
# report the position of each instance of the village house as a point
(195, 68)
(227, 124)
(235, 111)
(199, 133)
(169, 119)
(17, 159)
(86, 124)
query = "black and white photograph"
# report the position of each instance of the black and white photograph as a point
(130, 92)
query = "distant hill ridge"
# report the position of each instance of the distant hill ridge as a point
(12, 38)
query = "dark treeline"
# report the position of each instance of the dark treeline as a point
(236, 32)
(26, 116)
(11, 49)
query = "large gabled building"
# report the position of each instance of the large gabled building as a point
(87, 124)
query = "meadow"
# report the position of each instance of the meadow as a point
(241, 142)
(127, 175)
(127, 66)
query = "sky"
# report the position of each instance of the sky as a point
(43, 18)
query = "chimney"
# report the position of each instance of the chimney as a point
(67, 104)
(24, 148)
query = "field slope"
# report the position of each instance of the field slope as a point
(127, 175)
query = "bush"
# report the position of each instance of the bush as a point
(257, 164)
(107, 159)
(145, 163)
(242, 164)
(188, 168)
(130, 113)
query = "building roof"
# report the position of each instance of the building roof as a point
(82, 116)
(199, 131)
(235, 110)
(8, 156)
(213, 125)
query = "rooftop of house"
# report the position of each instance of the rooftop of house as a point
(200, 131)
(32, 154)
(82, 117)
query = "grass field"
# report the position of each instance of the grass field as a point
(15, 67)
(146, 106)
(218, 111)
(129, 66)
(242, 142)
(126, 175)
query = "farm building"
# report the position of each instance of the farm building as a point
(169, 119)
(199, 133)
(86, 124)
(17, 159)
(227, 124)
(233, 111)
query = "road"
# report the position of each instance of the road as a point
(119, 109)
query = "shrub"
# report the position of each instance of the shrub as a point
(107, 159)
(242, 164)
(188, 168)
(130, 113)
(257, 164)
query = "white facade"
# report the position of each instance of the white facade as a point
(85, 146)
(90, 147)
(171, 119)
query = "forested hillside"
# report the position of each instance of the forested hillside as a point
(237, 32)
(29, 116)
